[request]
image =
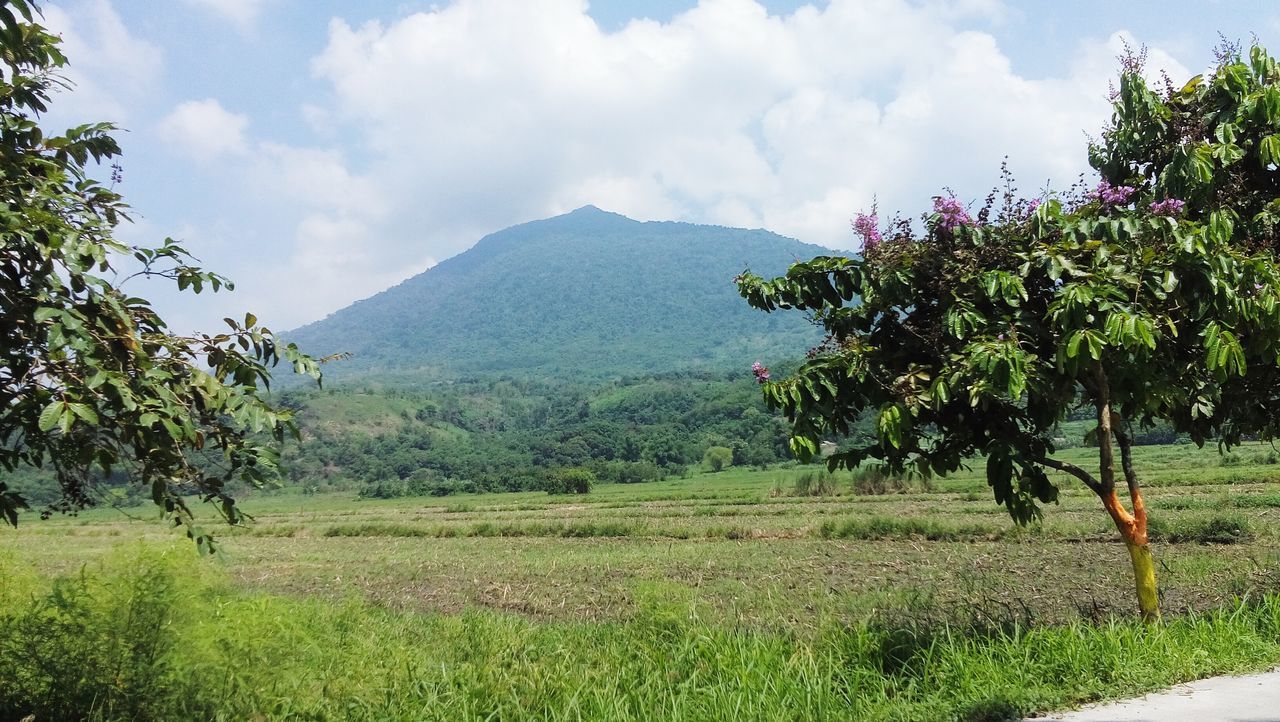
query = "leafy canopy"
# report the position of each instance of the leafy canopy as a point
(92, 382)
(1153, 296)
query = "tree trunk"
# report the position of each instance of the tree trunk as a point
(1132, 526)
(1133, 530)
(1144, 576)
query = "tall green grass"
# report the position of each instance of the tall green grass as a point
(152, 635)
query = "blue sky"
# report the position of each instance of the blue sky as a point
(317, 151)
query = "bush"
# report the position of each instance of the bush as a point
(814, 483)
(873, 481)
(96, 644)
(626, 472)
(570, 481)
(383, 490)
(717, 458)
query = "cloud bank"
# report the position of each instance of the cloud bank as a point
(484, 113)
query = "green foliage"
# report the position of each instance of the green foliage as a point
(570, 481)
(717, 458)
(91, 380)
(873, 481)
(1154, 301)
(814, 483)
(588, 295)
(510, 435)
(96, 644)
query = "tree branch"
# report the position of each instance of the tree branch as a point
(1126, 457)
(1094, 485)
(1106, 458)
(1131, 478)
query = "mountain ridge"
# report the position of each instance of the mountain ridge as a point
(589, 293)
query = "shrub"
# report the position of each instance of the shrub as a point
(1221, 529)
(95, 644)
(717, 458)
(570, 481)
(872, 480)
(814, 483)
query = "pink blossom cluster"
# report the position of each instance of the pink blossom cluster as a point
(867, 226)
(951, 213)
(761, 372)
(1111, 195)
(1032, 206)
(1168, 207)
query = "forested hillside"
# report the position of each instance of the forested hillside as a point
(589, 294)
(515, 434)
(510, 434)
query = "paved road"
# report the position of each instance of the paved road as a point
(1255, 698)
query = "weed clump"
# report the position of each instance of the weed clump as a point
(875, 528)
(873, 481)
(1221, 529)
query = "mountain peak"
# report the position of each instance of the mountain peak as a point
(590, 214)
(587, 293)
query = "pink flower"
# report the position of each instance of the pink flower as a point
(951, 213)
(867, 226)
(761, 372)
(1168, 207)
(1111, 195)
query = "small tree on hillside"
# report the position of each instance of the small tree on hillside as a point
(92, 382)
(1154, 298)
(717, 458)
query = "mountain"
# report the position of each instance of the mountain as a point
(588, 294)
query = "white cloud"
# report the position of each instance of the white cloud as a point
(333, 251)
(205, 130)
(486, 113)
(241, 13)
(111, 69)
(448, 124)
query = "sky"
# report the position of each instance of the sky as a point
(319, 151)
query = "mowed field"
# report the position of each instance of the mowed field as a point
(740, 546)
(749, 562)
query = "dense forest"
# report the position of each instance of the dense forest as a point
(587, 296)
(512, 434)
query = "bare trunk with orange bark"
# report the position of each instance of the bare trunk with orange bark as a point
(1131, 523)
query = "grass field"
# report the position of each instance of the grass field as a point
(722, 595)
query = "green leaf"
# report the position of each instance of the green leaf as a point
(890, 425)
(1221, 226)
(85, 413)
(50, 415)
(1269, 150)
(1228, 153)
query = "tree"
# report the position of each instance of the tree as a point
(92, 381)
(716, 458)
(1153, 299)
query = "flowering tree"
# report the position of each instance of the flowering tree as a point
(91, 381)
(1153, 298)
